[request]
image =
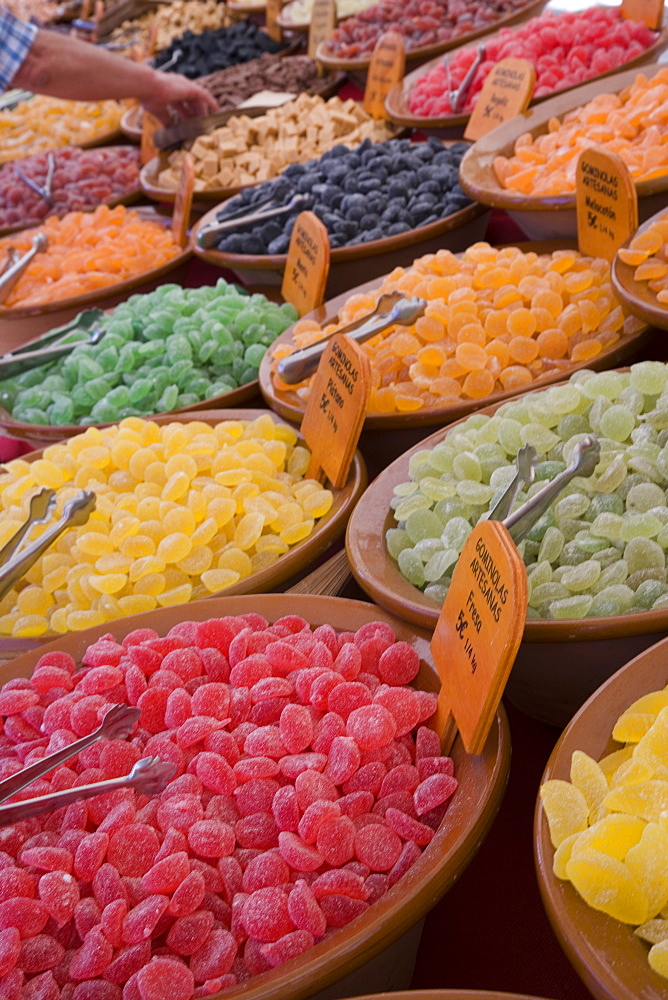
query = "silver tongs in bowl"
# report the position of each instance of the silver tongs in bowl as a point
(12, 274)
(399, 311)
(45, 192)
(457, 97)
(54, 345)
(249, 215)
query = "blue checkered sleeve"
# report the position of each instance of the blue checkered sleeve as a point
(16, 38)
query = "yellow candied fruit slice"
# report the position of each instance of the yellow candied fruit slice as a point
(606, 884)
(588, 777)
(218, 579)
(655, 740)
(647, 799)
(562, 855)
(648, 863)
(658, 958)
(615, 834)
(565, 807)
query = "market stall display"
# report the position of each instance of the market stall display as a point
(66, 180)
(454, 843)
(41, 123)
(616, 733)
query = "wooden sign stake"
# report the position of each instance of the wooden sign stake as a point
(307, 264)
(271, 20)
(336, 409)
(650, 12)
(184, 201)
(606, 203)
(148, 149)
(478, 634)
(386, 69)
(506, 92)
(323, 23)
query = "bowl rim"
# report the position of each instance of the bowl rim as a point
(440, 864)
(590, 956)
(637, 296)
(379, 576)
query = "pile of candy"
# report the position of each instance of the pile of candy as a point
(87, 251)
(163, 351)
(600, 549)
(290, 75)
(300, 11)
(647, 252)
(43, 123)
(196, 55)
(364, 194)
(565, 48)
(305, 788)
(631, 124)
(168, 21)
(496, 320)
(249, 150)
(183, 510)
(421, 22)
(610, 828)
(82, 179)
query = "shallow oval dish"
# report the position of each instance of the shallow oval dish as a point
(548, 216)
(424, 52)
(290, 406)
(637, 296)
(606, 954)
(378, 574)
(297, 559)
(340, 959)
(396, 102)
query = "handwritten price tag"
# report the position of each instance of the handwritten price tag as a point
(273, 28)
(606, 203)
(650, 12)
(184, 201)
(307, 265)
(323, 23)
(505, 93)
(336, 409)
(385, 70)
(478, 634)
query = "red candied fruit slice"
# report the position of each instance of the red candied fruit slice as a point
(196, 729)
(377, 846)
(404, 705)
(217, 633)
(168, 874)
(399, 664)
(93, 956)
(258, 831)
(400, 778)
(269, 869)
(87, 914)
(435, 765)
(15, 701)
(340, 910)
(292, 765)
(145, 659)
(40, 953)
(211, 839)
(433, 792)
(43, 987)
(314, 816)
(409, 828)
(99, 680)
(105, 652)
(117, 759)
(46, 678)
(336, 840)
(29, 916)
(128, 961)
(311, 786)
(16, 882)
(344, 760)
(255, 796)
(265, 915)
(212, 700)
(215, 773)
(348, 661)
(179, 708)
(188, 934)
(59, 892)
(284, 658)
(285, 809)
(215, 957)
(410, 852)
(107, 885)
(187, 663)
(371, 726)
(97, 989)
(142, 919)
(298, 855)
(10, 946)
(347, 696)
(369, 778)
(111, 921)
(90, 855)
(132, 849)
(256, 767)
(330, 726)
(165, 977)
(296, 728)
(287, 947)
(339, 882)
(180, 813)
(188, 896)
(57, 659)
(265, 741)
(152, 706)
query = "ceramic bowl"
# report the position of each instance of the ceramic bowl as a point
(637, 296)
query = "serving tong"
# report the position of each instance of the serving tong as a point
(171, 136)
(52, 346)
(249, 215)
(46, 191)
(457, 96)
(392, 309)
(12, 273)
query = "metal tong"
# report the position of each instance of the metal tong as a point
(148, 777)
(457, 97)
(46, 191)
(399, 312)
(117, 724)
(41, 507)
(52, 346)
(12, 274)
(525, 472)
(584, 461)
(249, 215)
(76, 512)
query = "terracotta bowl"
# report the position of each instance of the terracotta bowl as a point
(559, 664)
(447, 995)
(18, 325)
(608, 957)
(292, 407)
(417, 56)
(548, 217)
(637, 296)
(378, 947)
(294, 562)
(131, 122)
(456, 231)
(396, 102)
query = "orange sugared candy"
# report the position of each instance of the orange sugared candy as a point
(496, 321)
(648, 254)
(632, 123)
(87, 251)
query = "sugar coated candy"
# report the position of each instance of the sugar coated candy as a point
(261, 845)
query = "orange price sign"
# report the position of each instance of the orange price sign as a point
(336, 409)
(323, 23)
(650, 12)
(478, 634)
(307, 264)
(606, 203)
(184, 201)
(386, 69)
(506, 92)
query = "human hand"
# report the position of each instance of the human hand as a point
(175, 96)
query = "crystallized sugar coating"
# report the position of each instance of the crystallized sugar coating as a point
(303, 791)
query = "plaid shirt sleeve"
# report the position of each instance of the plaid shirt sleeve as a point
(16, 38)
